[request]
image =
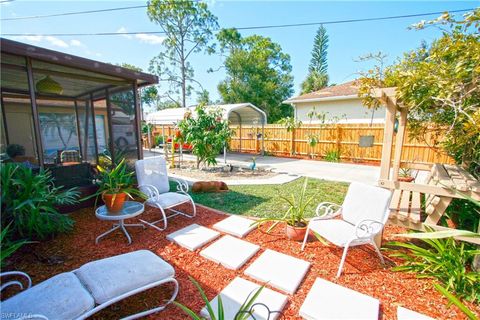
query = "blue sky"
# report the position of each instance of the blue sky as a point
(347, 41)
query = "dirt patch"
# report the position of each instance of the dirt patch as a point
(363, 271)
(219, 172)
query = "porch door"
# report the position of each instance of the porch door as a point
(20, 131)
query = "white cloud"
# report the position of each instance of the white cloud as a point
(52, 40)
(149, 38)
(56, 42)
(76, 43)
(122, 30)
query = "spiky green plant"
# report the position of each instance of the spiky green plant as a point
(243, 313)
(29, 203)
(445, 259)
(8, 247)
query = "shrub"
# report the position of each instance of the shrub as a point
(332, 156)
(444, 259)
(207, 132)
(14, 150)
(28, 203)
(159, 140)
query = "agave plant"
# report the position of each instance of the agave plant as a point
(297, 207)
(244, 312)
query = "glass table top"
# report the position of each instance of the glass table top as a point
(130, 209)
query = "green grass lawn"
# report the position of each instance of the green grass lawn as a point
(264, 200)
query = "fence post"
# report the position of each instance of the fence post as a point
(292, 142)
(339, 139)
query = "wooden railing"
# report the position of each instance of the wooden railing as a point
(343, 139)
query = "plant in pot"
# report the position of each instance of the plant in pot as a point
(115, 185)
(294, 218)
(15, 150)
(405, 175)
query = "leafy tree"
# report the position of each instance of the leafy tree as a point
(317, 77)
(257, 72)
(188, 27)
(203, 97)
(314, 82)
(207, 132)
(439, 84)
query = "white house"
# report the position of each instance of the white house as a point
(339, 103)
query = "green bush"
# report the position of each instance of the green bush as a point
(332, 156)
(444, 259)
(14, 150)
(159, 140)
(28, 203)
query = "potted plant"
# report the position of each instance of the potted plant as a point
(115, 185)
(405, 175)
(294, 218)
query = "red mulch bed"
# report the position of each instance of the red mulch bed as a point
(363, 271)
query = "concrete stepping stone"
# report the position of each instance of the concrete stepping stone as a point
(327, 300)
(193, 236)
(279, 270)
(407, 314)
(237, 292)
(230, 252)
(235, 225)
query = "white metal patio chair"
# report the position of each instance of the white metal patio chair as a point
(153, 181)
(364, 213)
(94, 286)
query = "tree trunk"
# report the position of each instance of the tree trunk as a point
(184, 80)
(198, 162)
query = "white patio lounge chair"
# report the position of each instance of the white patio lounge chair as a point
(89, 289)
(364, 212)
(153, 181)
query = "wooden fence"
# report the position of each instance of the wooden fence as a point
(343, 139)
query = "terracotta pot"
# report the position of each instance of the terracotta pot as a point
(406, 179)
(295, 233)
(114, 205)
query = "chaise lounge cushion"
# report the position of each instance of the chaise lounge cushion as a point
(111, 277)
(61, 297)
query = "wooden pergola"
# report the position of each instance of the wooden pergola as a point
(418, 206)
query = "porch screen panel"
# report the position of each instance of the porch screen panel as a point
(123, 125)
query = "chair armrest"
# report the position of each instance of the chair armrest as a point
(15, 282)
(368, 228)
(150, 190)
(182, 185)
(327, 210)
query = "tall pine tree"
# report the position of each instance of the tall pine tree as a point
(317, 77)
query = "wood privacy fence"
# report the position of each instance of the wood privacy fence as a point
(341, 138)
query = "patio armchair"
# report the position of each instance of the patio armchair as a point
(154, 182)
(92, 287)
(364, 213)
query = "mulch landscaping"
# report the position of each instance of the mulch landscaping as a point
(363, 271)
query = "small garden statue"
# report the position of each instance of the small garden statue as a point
(253, 165)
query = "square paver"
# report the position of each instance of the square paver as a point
(230, 252)
(327, 300)
(237, 292)
(407, 314)
(193, 236)
(279, 270)
(235, 225)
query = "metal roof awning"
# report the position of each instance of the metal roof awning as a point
(237, 114)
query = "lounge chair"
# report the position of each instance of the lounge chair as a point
(154, 182)
(89, 289)
(364, 212)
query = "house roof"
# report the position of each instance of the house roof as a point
(347, 90)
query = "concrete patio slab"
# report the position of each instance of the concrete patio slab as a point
(327, 300)
(235, 294)
(235, 225)
(407, 314)
(230, 252)
(193, 236)
(281, 271)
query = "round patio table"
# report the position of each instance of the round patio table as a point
(130, 209)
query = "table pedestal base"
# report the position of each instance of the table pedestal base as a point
(120, 225)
